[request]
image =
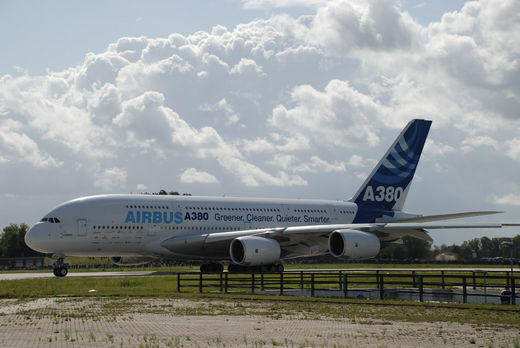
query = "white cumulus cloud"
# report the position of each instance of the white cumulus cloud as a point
(192, 175)
(274, 104)
(111, 178)
(19, 147)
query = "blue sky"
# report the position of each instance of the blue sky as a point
(289, 98)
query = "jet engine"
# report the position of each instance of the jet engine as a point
(254, 251)
(351, 244)
(131, 260)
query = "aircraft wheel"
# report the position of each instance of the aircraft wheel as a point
(279, 268)
(61, 272)
(211, 268)
(233, 268)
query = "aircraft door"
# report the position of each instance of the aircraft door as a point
(335, 216)
(150, 231)
(81, 225)
(285, 212)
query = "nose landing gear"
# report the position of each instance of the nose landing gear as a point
(60, 268)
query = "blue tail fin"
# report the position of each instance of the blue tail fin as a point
(387, 186)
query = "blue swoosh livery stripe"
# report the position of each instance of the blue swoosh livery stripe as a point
(396, 169)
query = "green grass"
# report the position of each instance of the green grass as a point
(392, 279)
(109, 286)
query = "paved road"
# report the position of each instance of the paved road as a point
(23, 275)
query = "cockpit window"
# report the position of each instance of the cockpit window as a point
(52, 220)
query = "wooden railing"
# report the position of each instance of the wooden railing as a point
(481, 286)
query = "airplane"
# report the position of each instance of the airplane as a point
(248, 234)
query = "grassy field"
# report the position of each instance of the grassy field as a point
(123, 291)
(106, 286)
(395, 275)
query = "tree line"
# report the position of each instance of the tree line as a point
(12, 242)
(483, 249)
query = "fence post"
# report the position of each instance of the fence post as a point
(513, 292)
(421, 288)
(381, 286)
(301, 280)
(413, 280)
(474, 281)
(281, 283)
(226, 282)
(178, 282)
(464, 290)
(507, 280)
(312, 284)
(220, 282)
(485, 287)
(443, 283)
(200, 282)
(252, 282)
(345, 285)
(262, 281)
(340, 278)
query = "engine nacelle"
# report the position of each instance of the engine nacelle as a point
(131, 260)
(254, 251)
(351, 244)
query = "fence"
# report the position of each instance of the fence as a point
(478, 286)
(32, 262)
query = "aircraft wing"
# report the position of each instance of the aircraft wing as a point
(393, 230)
(390, 231)
(314, 237)
(430, 218)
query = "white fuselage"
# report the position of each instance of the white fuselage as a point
(135, 225)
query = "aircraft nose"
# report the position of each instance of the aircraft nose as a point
(37, 238)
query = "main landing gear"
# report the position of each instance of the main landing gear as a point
(218, 268)
(274, 268)
(211, 268)
(60, 268)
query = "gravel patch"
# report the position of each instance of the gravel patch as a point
(72, 322)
